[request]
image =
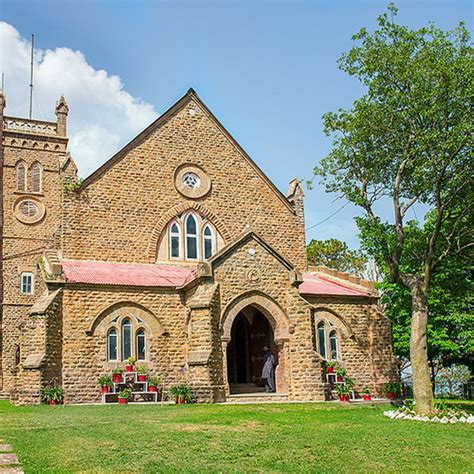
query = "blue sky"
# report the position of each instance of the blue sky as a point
(267, 69)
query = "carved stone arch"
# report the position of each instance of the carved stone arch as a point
(276, 316)
(331, 316)
(167, 217)
(124, 309)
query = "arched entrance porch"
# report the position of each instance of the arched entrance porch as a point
(251, 322)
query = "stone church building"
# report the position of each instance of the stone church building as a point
(179, 251)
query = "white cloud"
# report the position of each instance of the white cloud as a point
(102, 115)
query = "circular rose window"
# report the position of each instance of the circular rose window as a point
(191, 180)
(28, 211)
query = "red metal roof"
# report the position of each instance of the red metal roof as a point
(317, 285)
(102, 273)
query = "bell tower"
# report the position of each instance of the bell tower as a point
(33, 156)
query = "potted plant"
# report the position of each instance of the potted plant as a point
(142, 373)
(117, 375)
(181, 393)
(340, 373)
(330, 366)
(52, 395)
(153, 383)
(343, 391)
(124, 395)
(105, 383)
(129, 366)
(366, 395)
(391, 389)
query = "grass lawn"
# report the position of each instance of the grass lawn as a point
(277, 437)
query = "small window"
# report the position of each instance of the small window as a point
(21, 176)
(191, 237)
(29, 209)
(17, 356)
(191, 181)
(333, 344)
(207, 242)
(126, 339)
(141, 345)
(112, 344)
(36, 178)
(322, 339)
(27, 283)
(175, 241)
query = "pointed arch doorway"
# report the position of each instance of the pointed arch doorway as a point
(251, 331)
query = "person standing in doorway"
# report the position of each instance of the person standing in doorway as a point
(268, 371)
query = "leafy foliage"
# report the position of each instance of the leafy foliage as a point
(336, 254)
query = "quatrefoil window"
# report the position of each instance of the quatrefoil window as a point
(191, 180)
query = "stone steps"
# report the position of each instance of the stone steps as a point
(257, 398)
(241, 388)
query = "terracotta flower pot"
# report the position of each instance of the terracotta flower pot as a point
(330, 370)
(142, 377)
(180, 400)
(122, 401)
(117, 378)
(391, 395)
(367, 396)
(152, 389)
(129, 368)
(53, 402)
(104, 389)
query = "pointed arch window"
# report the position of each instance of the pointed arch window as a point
(21, 176)
(126, 339)
(322, 339)
(175, 241)
(333, 345)
(36, 178)
(207, 242)
(141, 344)
(191, 237)
(112, 344)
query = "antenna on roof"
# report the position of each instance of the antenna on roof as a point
(31, 74)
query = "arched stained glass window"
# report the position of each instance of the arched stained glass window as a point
(333, 344)
(191, 237)
(322, 339)
(141, 344)
(207, 242)
(112, 344)
(21, 176)
(126, 339)
(175, 241)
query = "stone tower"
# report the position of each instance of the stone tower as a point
(33, 158)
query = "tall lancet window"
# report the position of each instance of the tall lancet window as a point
(126, 339)
(207, 242)
(191, 237)
(21, 176)
(322, 339)
(36, 178)
(175, 241)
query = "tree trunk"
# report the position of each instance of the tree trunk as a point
(422, 390)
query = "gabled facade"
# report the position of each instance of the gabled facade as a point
(178, 251)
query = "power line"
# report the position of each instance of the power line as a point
(328, 217)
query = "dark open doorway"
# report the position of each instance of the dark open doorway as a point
(250, 332)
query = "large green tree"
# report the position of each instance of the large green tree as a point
(334, 253)
(408, 140)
